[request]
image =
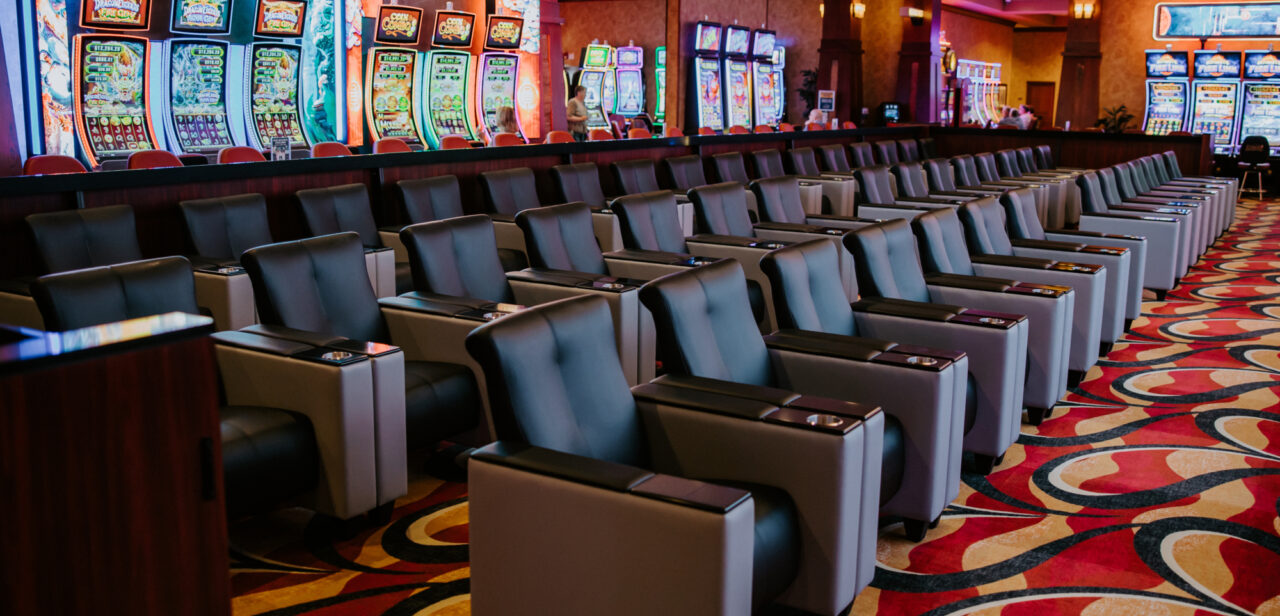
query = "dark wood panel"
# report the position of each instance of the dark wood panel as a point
(604, 159)
(17, 250)
(468, 173)
(1088, 150)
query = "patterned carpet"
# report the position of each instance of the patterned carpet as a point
(1154, 489)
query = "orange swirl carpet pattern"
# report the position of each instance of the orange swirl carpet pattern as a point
(1153, 489)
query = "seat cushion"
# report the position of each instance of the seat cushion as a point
(440, 400)
(268, 456)
(776, 556)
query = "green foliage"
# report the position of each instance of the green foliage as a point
(808, 90)
(1115, 119)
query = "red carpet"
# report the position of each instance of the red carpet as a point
(1154, 489)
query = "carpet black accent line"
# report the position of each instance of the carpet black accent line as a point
(1036, 440)
(319, 544)
(983, 486)
(1206, 420)
(961, 510)
(395, 541)
(966, 606)
(1147, 541)
(1167, 327)
(346, 597)
(1222, 393)
(1167, 359)
(425, 599)
(241, 560)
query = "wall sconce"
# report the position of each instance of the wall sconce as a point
(822, 9)
(1083, 10)
(916, 15)
(858, 10)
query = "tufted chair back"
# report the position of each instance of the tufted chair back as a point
(940, 237)
(875, 184)
(803, 161)
(86, 297)
(562, 237)
(863, 154)
(579, 182)
(800, 276)
(1020, 214)
(886, 152)
(768, 163)
(941, 175)
(887, 261)
(433, 198)
(730, 167)
(76, 239)
(225, 227)
(1044, 157)
(685, 172)
(635, 176)
(651, 221)
(908, 150)
(911, 180)
(458, 257)
(1091, 197)
(339, 208)
(510, 191)
(778, 199)
(833, 157)
(966, 170)
(722, 209)
(984, 230)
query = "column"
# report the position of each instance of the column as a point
(552, 58)
(919, 73)
(840, 57)
(1079, 87)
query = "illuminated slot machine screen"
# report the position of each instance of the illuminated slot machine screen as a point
(609, 91)
(1260, 98)
(1215, 97)
(273, 94)
(115, 14)
(1166, 106)
(497, 86)
(710, 107)
(280, 18)
(660, 84)
(198, 95)
(765, 104)
(447, 94)
(630, 82)
(111, 87)
(389, 97)
(593, 81)
(737, 102)
(201, 16)
(398, 25)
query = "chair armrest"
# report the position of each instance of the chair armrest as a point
(283, 348)
(1012, 261)
(225, 267)
(292, 335)
(1048, 245)
(914, 310)
(393, 229)
(734, 241)
(18, 286)
(1094, 234)
(567, 466)
(498, 217)
(861, 349)
(577, 280)
(656, 256)
(768, 395)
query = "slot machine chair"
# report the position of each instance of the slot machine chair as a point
(686, 173)
(863, 154)
(706, 333)
(762, 129)
(600, 134)
(328, 149)
(640, 175)
(814, 126)
(706, 131)
(787, 516)
(1169, 250)
(739, 130)
(731, 167)
(437, 198)
(1119, 179)
(887, 258)
(335, 209)
(507, 192)
(502, 140)
(639, 133)
(786, 127)
(886, 152)
(805, 295)
(304, 293)
(390, 145)
(1158, 175)
(848, 125)
(1149, 174)
(219, 230)
(455, 142)
(153, 159)
(1059, 189)
(908, 151)
(559, 136)
(672, 131)
(839, 190)
(240, 154)
(52, 164)
(581, 182)
(309, 441)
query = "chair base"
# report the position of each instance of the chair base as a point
(1128, 325)
(1036, 415)
(915, 530)
(1074, 377)
(983, 464)
(1244, 181)
(1105, 347)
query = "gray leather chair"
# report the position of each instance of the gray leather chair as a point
(1062, 197)
(1189, 246)
(941, 177)
(886, 152)
(1168, 236)
(761, 506)
(912, 183)
(336, 209)
(581, 182)
(928, 148)
(1223, 192)
(705, 331)
(889, 267)
(879, 199)
(1132, 185)
(830, 193)
(438, 198)
(908, 151)
(863, 154)
(1175, 172)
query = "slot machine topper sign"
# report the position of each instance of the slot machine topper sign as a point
(399, 25)
(1167, 65)
(202, 16)
(115, 14)
(280, 18)
(453, 29)
(1261, 64)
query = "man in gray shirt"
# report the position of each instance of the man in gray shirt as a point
(576, 114)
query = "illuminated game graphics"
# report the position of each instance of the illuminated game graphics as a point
(399, 25)
(765, 107)
(593, 81)
(115, 14)
(1214, 112)
(609, 92)
(273, 94)
(280, 18)
(1260, 113)
(198, 95)
(630, 93)
(389, 97)
(497, 86)
(1260, 20)
(322, 70)
(453, 29)
(503, 33)
(446, 96)
(1166, 106)
(111, 96)
(737, 92)
(54, 85)
(201, 16)
(710, 107)
(660, 84)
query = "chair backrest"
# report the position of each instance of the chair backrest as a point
(1044, 157)
(815, 126)
(887, 261)
(705, 325)
(600, 134)
(768, 163)
(554, 380)
(559, 136)
(875, 184)
(722, 209)
(886, 152)
(335, 209)
(784, 127)
(706, 130)
(803, 161)
(225, 227)
(928, 148)
(153, 159)
(987, 169)
(863, 154)
(1124, 180)
(966, 170)
(807, 294)
(635, 176)
(390, 145)
(434, 198)
(685, 172)
(730, 167)
(562, 237)
(457, 257)
(911, 180)
(984, 230)
(52, 164)
(1007, 164)
(940, 174)
(1020, 214)
(326, 149)
(1027, 160)
(508, 191)
(778, 199)
(834, 159)
(76, 239)
(1171, 163)
(650, 221)
(673, 131)
(579, 182)
(940, 236)
(454, 142)
(739, 130)
(848, 125)
(763, 128)
(1110, 191)
(86, 297)
(908, 150)
(1092, 199)
(639, 133)
(502, 140)
(239, 154)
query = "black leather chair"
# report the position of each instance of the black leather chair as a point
(928, 148)
(335, 209)
(888, 266)
(440, 198)
(863, 154)
(782, 208)
(635, 176)
(705, 331)
(685, 173)
(886, 152)
(761, 509)
(509, 191)
(269, 455)
(730, 167)
(579, 182)
(908, 151)
(220, 229)
(912, 184)
(806, 297)
(877, 198)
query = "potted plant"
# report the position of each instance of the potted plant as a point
(1115, 119)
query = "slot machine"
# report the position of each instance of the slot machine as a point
(630, 61)
(765, 105)
(1167, 88)
(1260, 98)
(779, 83)
(706, 106)
(198, 83)
(1215, 97)
(111, 81)
(594, 66)
(609, 87)
(737, 76)
(499, 68)
(660, 86)
(391, 95)
(446, 82)
(272, 69)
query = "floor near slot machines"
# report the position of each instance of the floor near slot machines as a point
(1154, 488)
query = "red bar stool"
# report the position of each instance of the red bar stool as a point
(52, 164)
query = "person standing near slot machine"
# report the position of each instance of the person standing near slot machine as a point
(576, 114)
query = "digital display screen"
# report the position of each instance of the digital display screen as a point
(595, 56)
(198, 95)
(762, 44)
(273, 83)
(609, 92)
(497, 86)
(706, 37)
(399, 25)
(1166, 106)
(630, 92)
(737, 40)
(280, 18)
(630, 57)
(503, 32)
(1196, 20)
(660, 56)
(1261, 64)
(112, 95)
(1218, 64)
(1167, 65)
(389, 93)
(447, 94)
(453, 29)
(1261, 114)
(1214, 112)
(593, 81)
(765, 91)
(737, 76)
(710, 109)
(201, 16)
(115, 14)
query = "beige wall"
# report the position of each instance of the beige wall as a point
(881, 43)
(619, 22)
(1037, 56)
(799, 27)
